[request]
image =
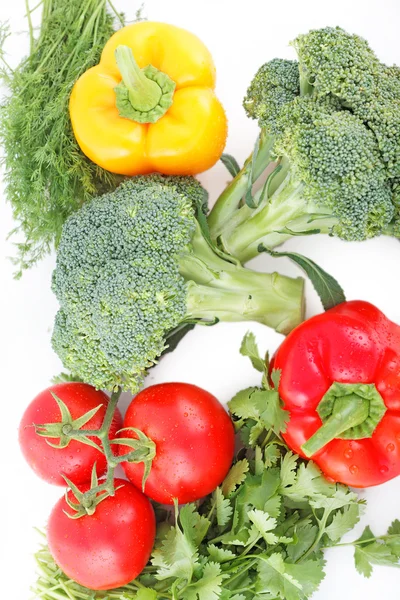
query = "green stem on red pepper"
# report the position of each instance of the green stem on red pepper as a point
(349, 412)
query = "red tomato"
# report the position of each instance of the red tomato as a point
(194, 438)
(77, 459)
(109, 548)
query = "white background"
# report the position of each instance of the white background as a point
(241, 36)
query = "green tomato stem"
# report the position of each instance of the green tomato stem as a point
(90, 497)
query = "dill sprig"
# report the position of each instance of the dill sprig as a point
(47, 176)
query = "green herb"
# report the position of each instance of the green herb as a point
(261, 534)
(47, 176)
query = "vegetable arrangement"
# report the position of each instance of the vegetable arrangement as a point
(261, 533)
(103, 131)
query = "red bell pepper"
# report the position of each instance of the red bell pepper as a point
(340, 382)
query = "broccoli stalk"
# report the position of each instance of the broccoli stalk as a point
(274, 221)
(218, 289)
(329, 144)
(135, 265)
(230, 199)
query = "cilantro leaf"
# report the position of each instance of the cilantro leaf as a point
(394, 528)
(263, 524)
(269, 407)
(271, 455)
(146, 594)
(209, 586)
(394, 541)
(249, 348)
(235, 477)
(223, 507)
(220, 555)
(242, 405)
(176, 557)
(309, 574)
(304, 535)
(309, 483)
(362, 563)
(194, 525)
(375, 552)
(273, 506)
(255, 433)
(343, 521)
(288, 581)
(288, 470)
(240, 538)
(342, 497)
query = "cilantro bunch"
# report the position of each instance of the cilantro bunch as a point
(260, 535)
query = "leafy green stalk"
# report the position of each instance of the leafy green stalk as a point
(47, 177)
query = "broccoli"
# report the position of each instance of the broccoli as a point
(275, 84)
(135, 265)
(330, 141)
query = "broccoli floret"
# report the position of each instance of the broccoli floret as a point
(337, 63)
(336, 142)
(333, 61)
(275, 84)
(134, 265)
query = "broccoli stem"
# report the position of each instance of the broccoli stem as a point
(271, 299)
(224, 290)
(230, 199)
(278, 218)
(306, 88)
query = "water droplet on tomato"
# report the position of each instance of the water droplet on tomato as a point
(390, 448)
(348, 453)
(185, 414)
(353, 469)
(384, 469)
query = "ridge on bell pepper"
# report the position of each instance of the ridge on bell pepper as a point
(149, 105)
(340, 382)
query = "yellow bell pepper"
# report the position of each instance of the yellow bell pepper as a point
(149, 104)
